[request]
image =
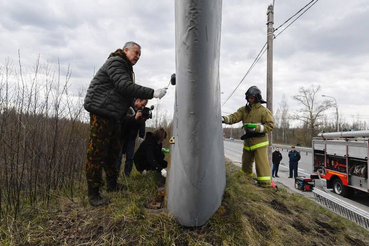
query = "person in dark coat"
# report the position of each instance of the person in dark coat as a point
(294, 156)
(108, 98)
(132, 124)
(276, 159)
(149, 155)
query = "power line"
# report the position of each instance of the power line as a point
(262, 51)
(312, 4)
(294, 15)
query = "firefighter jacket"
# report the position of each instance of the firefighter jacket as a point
(256, 114)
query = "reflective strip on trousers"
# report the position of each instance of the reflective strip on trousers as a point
(264, 178)
(256, 146)
(249, 174)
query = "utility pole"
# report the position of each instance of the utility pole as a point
(270, 38)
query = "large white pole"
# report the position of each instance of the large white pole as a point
(196, 178)
(270, 38)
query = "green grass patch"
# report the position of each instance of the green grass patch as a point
(249, 215)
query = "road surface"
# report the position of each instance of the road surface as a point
(233, 151)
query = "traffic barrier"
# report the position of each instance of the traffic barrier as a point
(342, 208)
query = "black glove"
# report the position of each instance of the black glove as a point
(252, 135)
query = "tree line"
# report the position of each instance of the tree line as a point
(299, 127)
(44, 132)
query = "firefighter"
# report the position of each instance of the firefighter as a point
(257, 121)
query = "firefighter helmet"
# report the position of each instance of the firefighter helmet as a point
(255, 92)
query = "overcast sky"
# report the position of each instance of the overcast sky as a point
(327, 46)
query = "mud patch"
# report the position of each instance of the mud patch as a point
(327, 227)
(300, 227)
(280, 207)
(260, 225)
(354, 241)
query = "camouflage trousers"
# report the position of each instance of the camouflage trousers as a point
(103, 150)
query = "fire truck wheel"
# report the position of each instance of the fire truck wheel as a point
(339, 188)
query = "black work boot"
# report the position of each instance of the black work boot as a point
(94, 197)
(113, 185)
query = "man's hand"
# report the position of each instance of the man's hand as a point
(159, 93)
(164, 173)
(138, 114)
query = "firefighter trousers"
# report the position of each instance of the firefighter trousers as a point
(260, 156)
(103, 150)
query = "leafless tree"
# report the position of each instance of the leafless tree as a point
(282, 118)
(312, 110)
(161, 117)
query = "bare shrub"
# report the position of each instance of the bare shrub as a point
(42, 134)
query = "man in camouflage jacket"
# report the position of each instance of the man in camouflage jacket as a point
(108, 98)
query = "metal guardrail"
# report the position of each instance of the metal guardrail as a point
(342, 208)
(287, 148)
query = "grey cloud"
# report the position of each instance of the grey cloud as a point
(327, 46)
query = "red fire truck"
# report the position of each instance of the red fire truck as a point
(342, 159)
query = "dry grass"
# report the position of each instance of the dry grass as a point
(249, 215)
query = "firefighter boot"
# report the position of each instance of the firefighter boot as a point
(94, 197)
(113, 185)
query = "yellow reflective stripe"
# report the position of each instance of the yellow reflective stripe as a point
(264, 178)
(251, 174)
(256, 146)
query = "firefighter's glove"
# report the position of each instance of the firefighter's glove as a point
(164, 173)
(222, 119)
(159, 93)
(140, 140)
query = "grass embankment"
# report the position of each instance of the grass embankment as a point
(249, 215)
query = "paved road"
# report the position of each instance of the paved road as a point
(233, 151)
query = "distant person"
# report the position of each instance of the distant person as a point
(258, 121)
(276, 159)
(108, 98)
(132, 124)
(149, 156)
(294, 156)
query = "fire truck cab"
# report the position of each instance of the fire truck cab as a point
(342, 159)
